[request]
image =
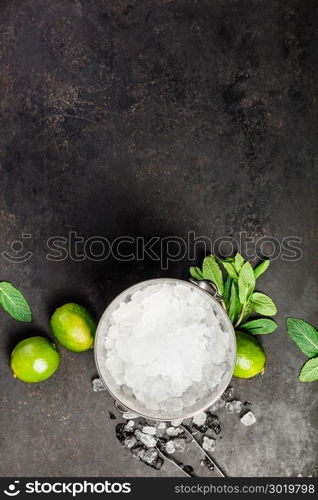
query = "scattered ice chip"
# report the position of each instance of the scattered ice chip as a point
(149, 429)
(146, 439)
(176, 423)
(129, 415)
(161, 429)
(249, 418)
(130, 442)
(174, 431)
(170, 447)
(234, 406)
(208, 444)
(130, 425)
(180, 444)
(199, 419)
(148, 456)
(98, 385)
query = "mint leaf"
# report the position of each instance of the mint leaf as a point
(196, 273)
(234, 306)
(230, 269)
(211, 271)
(14, 302)
(246, 282)
(260, 326)
(239, 262)
(247, 312)
(227, 290)
(261, 268)
(304, 335)
(263, 304)
(309, 372)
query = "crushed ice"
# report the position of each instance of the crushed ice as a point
(98, 385)
(249, 418)
(166, 348)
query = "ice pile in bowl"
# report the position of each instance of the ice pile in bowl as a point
(167, 348)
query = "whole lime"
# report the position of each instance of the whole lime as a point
(73, 327)
(251, 358)
(34, 359)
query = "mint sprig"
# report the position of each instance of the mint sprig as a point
(237, 288)
(261, 326)
(309, 372)
(305, 337)
(13, 301)
(211, 271)
(246, 282)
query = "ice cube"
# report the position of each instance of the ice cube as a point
(176, 423)
(98, 385)
(148, 456)
(170, 447)
(199, 419)
(148, 429)
(161, 429)
(129, 415)
(174, 431)
(180, 444)
(208, 444)
(130, 442)
(234, 406)
(248, 418)
(130, 425)
(146, 439)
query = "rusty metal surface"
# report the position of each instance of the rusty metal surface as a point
(155, 118)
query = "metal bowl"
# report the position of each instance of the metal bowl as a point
(129, 403)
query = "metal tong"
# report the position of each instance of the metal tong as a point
(180, 466)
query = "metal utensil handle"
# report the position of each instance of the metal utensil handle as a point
(215, 467)
(120, 407)
(209, 287)
(173, 461)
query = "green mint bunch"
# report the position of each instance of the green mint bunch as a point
(14, 302)
(305, 337)
(237, 287)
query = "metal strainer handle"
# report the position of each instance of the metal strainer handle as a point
(120, 407)
(210, 287)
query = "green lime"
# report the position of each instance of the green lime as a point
(251, 358)
(73, 327)
(34, 359)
